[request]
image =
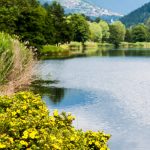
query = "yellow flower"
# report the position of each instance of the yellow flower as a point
(90, 142)
(56, 146)
(18, 111)
(24, 107)
(72, 138)
(52, 137)
(32, 134)
(103, 148)
(30, 111)
(13, 113)
(70, 118)
(25, 135)
(2, 145)
(60, 141)
(52, 118)
(24, 96)
(11, 140)
(23, 143)
(97, 144)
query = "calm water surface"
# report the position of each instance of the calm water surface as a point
(104, 93)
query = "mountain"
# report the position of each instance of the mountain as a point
(87, 8)
(140, 15)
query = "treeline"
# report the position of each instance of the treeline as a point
(40, 25)
(116, 32)
(48, 24)
(137, 16)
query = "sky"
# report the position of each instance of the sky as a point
(121, 6)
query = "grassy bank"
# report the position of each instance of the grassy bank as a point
(135, 45)
(25, 123)
(15, 63)
(73, 49)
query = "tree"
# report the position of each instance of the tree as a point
(24, 18)
(147, 24)
(95, 32)
(117, 33)
(139, 33)
(58, 21)
(128, 35)
(30, 26)
(105, 30)
(97, 20)
(80, 28)
(8, 15)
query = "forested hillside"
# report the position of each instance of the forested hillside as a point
(140, 15)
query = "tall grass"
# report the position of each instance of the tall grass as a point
(16, 62)
(6, 56)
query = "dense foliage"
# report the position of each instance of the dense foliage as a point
(96, 32)
(25, 123)
(117, 33)
(80, 28)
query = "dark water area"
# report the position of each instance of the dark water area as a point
(104, 93)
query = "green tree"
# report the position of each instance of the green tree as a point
(117, 33)
(8, 15)
(58, 22)
(24, 18)
(105, 30)
(95, 32)
(80, 28)
(147, 24)
(98, 19)
(30, 26)
(139, 33)
(128, 35)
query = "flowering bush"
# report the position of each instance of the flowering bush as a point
(25, 123)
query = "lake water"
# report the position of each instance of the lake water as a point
(104, 93)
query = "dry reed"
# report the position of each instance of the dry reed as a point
(19, 69)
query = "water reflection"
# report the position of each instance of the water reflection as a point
(52, 93)
(123, 52)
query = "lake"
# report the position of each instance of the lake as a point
(104, 93)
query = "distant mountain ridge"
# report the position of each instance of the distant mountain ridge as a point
(87, 8)
(140, 15)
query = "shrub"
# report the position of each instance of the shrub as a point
(51, 49)
(25, 123)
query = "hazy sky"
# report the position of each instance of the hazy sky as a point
(120, 6)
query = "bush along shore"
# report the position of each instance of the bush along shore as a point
(25, 123)
(16, 63)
